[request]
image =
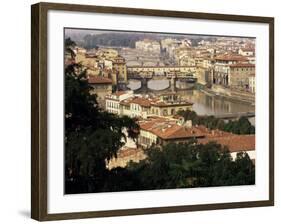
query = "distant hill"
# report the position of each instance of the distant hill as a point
(93, 38)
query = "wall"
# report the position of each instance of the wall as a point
(15, 112)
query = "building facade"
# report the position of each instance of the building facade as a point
(240, 76)
(149, 46)
(113, 101)
(143, 106)
(101, 87)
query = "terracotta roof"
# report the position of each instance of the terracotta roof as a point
(147, 102)
(125, 103)
(231, 58)
(235, 143)
(240, 65)
(137, 100)
(141, 101)
(162, 66)
(99, 80)
(119, 93)
(169, 129)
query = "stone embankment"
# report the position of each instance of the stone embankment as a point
(233, 94)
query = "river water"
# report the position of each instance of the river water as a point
(203, 103)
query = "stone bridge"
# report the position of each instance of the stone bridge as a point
(144, 79)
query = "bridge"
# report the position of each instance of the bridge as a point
(187, 80)
(235, 115)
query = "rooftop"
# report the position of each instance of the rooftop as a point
(229, 57)
(99, 80)
(167, 129)
(235, 143)
(156, 101)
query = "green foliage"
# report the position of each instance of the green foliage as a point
(92, 136)
(193, 165)
(241, 126)
(69, 45)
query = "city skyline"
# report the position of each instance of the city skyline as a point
(154, 99)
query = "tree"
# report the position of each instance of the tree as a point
(69, 45)
(92, 136)
(241, 127)
(192, 165)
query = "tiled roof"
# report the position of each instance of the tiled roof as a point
(147, 102)
(235, 143)
(231, 58)
(162, 66)
(169, 129)
(137, 100)
(99, 80)
(141, 101)
(119, 93)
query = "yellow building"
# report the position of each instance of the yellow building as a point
(252, 83)
(120, 67)
(102, 87)
(239, 76)
(161, 69)
(167, 106)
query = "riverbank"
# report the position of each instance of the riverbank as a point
(231, 94)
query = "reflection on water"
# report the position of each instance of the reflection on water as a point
(134, 84)
(158, 84)
(203, 103)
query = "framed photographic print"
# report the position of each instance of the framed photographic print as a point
(140, 111)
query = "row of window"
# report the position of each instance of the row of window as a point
(136, 107)
(111, 104)
(244, 69)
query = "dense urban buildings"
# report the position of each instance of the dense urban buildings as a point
(156, 78)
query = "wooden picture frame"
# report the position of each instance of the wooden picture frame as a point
(39, 109)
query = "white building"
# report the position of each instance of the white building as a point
(112, 102)
(149, 46)
(165, 106)
(246, 52)
(252, 83)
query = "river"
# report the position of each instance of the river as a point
(204, 103)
